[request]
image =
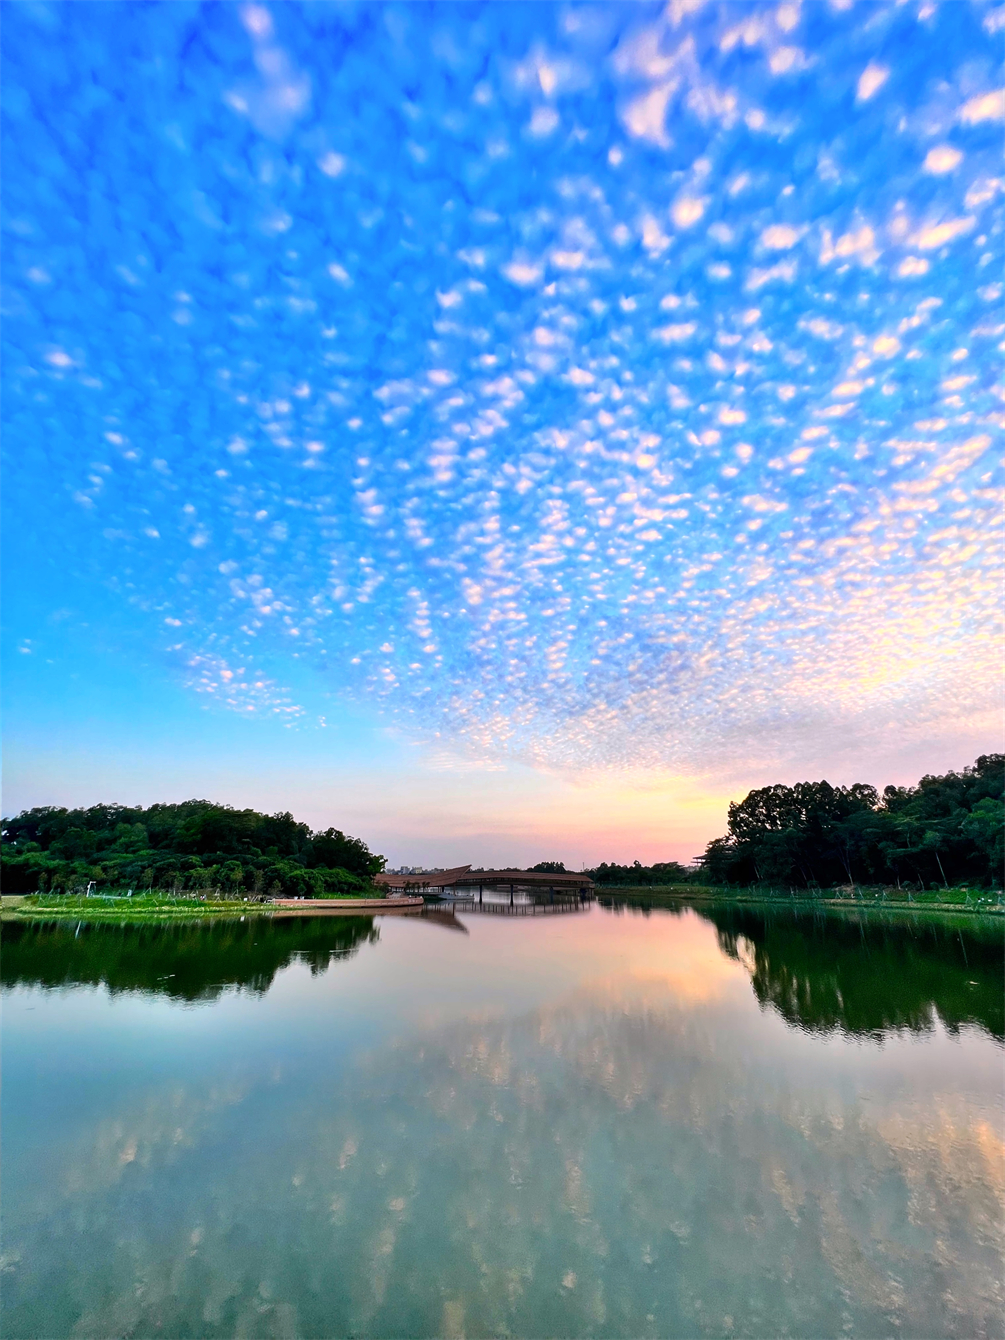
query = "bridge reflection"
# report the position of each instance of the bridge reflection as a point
(514, 907)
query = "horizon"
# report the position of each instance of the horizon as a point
(502, 433)
(692, 864)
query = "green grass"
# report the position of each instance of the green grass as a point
(140, 907)
(119, 908)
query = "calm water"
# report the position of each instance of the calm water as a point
(609, 1124)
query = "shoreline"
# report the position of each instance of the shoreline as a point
(637, 893)
(18, 908)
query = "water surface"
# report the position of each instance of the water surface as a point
(609, 1123)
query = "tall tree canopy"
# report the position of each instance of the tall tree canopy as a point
(947, 829)
(192, 846)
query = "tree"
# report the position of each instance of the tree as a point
(75, 844)
(192, 845)
(548, 868)
(947, 828)
(983, 827)
(637, 875)
(333, 849)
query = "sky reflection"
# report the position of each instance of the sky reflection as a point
(475, 1134)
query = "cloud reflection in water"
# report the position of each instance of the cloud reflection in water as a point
(639, 1151)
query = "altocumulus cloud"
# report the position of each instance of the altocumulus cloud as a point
(589, 385)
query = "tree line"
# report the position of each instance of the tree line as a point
(640, 876)
(634, 876)
(193, 847)
(948, 830)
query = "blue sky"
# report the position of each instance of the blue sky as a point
(544, 422)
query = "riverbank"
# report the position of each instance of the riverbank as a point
(108, 910)
(105, 909)
(980, 903)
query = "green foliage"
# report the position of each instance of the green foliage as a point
(946, 830)
(194, 847)
(640, 876)
(548, 868)
(332, 848)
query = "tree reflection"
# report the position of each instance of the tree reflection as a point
(194, 962)
(824, 972)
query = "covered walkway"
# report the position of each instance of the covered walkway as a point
(462, 881)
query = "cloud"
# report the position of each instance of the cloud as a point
(332, 164)
(780, 237)
(544, 121)
(758, 277)
(687, 211)
(281, 94)
(941, 234)
(943, 158)
(645, 116)
(912, 267)
(466, 357)
(858, 243)
(787, 60)
(871, 80)
(676, 332)
(984, 107)
(822, 328)
(522, 273)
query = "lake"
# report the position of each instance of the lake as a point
(610, 1122)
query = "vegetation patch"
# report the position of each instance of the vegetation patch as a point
(940, 841)
(98, 908)
(196, 850)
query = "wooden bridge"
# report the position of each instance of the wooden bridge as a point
(462, 882)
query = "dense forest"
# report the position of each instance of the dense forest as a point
(946, 830)
(194, 847)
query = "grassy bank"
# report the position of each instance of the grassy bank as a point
(120, 908)
(102, 908)
(981, 902)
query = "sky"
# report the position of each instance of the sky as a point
(505, 432)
